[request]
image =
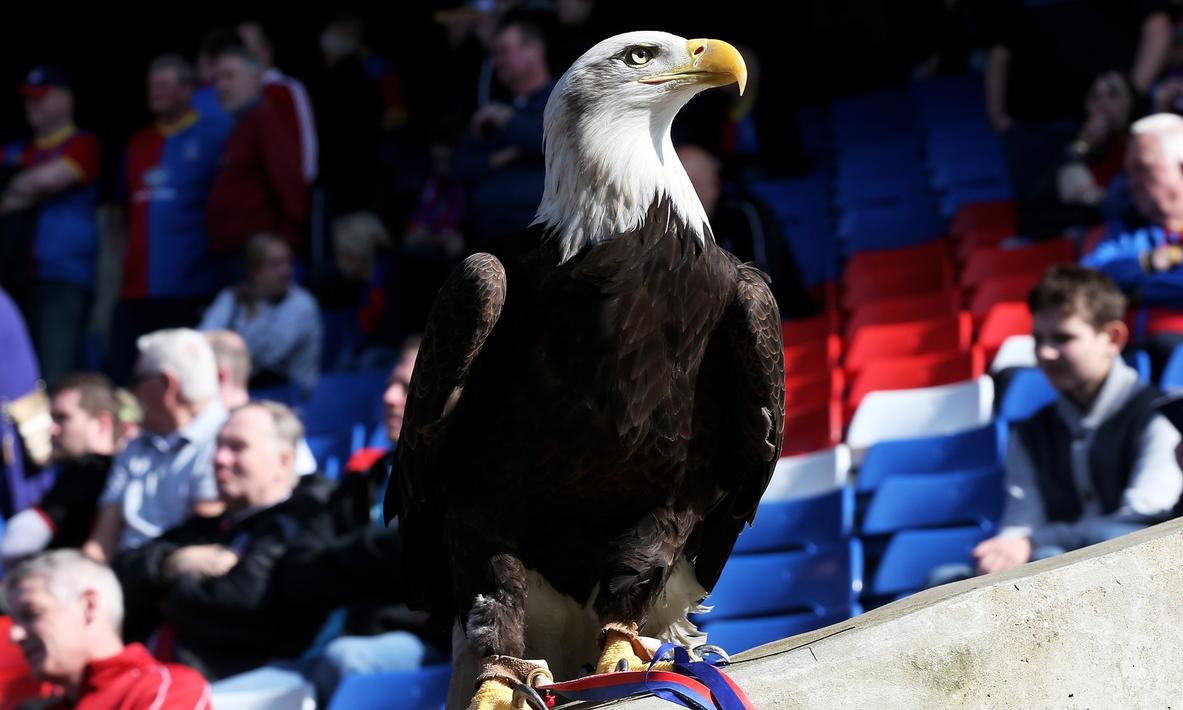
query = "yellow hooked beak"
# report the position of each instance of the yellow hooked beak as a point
(712, 62)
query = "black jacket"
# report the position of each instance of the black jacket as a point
(229, 624)
(346, 559)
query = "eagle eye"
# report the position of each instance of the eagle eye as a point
(638, 56)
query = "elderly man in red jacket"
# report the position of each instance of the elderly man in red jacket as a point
(66, 614)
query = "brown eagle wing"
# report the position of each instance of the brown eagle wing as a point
(755, 415)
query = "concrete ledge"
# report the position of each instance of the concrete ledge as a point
(1101, 627)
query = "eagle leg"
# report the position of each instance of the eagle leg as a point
(507, 683)
(624, 649)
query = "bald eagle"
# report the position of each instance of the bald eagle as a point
(591, 423)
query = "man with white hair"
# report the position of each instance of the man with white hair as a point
(66, 616)
(206, 585)
(165, 474)
(1144, 259)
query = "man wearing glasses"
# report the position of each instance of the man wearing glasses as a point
(166, 474)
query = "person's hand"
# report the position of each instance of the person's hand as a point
(1095, 130)
(504, 157)
(1165, 258)
(200, 561)
(999, 554)
(1076, 186)
(491, 114)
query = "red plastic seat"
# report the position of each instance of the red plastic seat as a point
(812, 430)
(1003, 320)
(812, 357)
(999, 213)
(806, 392)
(888, 340)
(864, 262)
(809, 330)
(895, 281)
(1011, 288)
(1154, 321)
(928, 306)
(986, 264)
(916, 371)
(980, 238)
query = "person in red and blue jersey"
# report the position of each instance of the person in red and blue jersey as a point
(58, 177)
(169, 271)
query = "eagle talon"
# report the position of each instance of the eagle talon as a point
(525, 696)
(703, 650)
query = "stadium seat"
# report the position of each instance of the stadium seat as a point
(812, 430)
(1172, 373)
(988, 263)
(267, 688)
(888, 340)
(930, 411)
(997, 213)
(868, 263)
(918, 279)
(1016, 351)
(1028, 392)
(422, 689)
(803, 523)
(813, 357)
(1001, 289)
(808, 330)
(923, 500)
(342, 399)
(938, 304)
(912, 372)
(805, 392)
(1140, 361)
(1001, 321)
(808, 475)
(911, 555)
(735, 635)
(778, 582)
(976, 448)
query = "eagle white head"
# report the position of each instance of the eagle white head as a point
(609, 155)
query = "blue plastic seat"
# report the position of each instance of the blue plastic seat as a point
(807, 523)
(830, 577)
(1172, 374)
(735, 635)
(1140, 361)
(423, 689)
(342, 399)
(911, 556)
(931, 499)
(976, 448)
(1028, 392)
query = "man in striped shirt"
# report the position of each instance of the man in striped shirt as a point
(67, 611)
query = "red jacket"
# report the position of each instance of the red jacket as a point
(260, 186)
(134, 680)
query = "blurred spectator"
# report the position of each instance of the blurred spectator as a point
(1144, 256)
(22, 484)
(286, 93)
(353, 292)
(169, 271)
(1099, 461)
(1168, 92)
(129, 419)
(278, 319)
(85, 415)
(501, 159)
(67, 612)
(349, 558)
(260, 185)
(234, 372)
(747, 228)
(166, 474)
(205, 94)
(1043, 58)
(577, 28)
(59, 178)
(207, 583)
(1097, 154)
(349, 108)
